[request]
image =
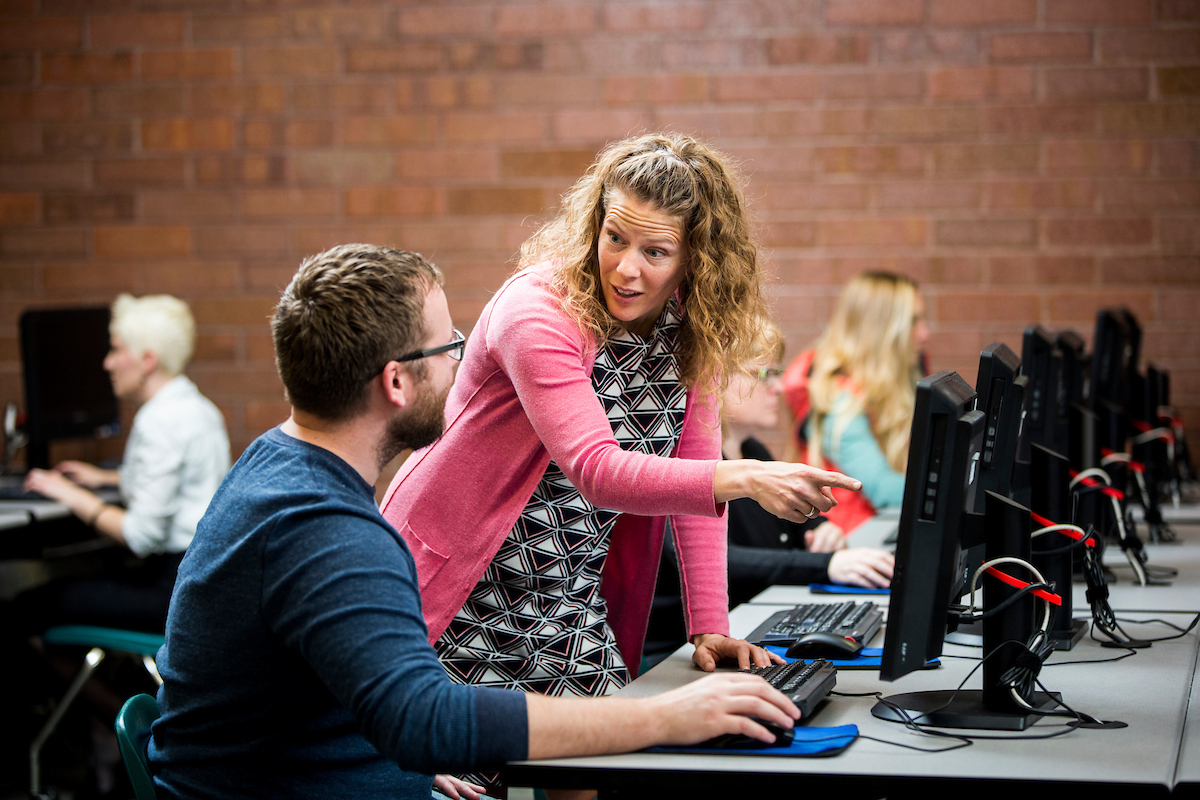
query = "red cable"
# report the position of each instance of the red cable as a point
(1017, 583)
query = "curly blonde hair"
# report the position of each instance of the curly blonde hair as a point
(869, 343)
(721, 294)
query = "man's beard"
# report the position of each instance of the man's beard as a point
(422, 425)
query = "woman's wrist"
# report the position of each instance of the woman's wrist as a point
(733, 479)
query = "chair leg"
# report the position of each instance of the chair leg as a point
(90, 662)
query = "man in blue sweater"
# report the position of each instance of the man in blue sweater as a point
(297, 662)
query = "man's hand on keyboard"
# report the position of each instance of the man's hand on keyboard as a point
(720, 704)
(714, 647)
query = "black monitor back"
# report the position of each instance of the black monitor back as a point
(1001, 395)
(67, 390)
(1076, 366)
(1111, 356)
(940, 482)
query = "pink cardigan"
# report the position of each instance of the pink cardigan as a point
(523, 395)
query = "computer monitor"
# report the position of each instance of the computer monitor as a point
(1075, 367)
(936, 527)
(941, 479)
(1001, 395)
(1112, 350)
(67, 390)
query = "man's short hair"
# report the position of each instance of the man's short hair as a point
(345, 315)
(158, 323)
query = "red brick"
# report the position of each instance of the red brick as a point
(1040, 119)
(809, 49)
(445, 163)
(242, 380)
(1150, 45)
(979, 83)
(767, 163)
(140, 172)
(359, 97)
(242, 241)
(44, 103)
(296, 61)
(1073, 270)
(874, 12)
(188, 64)
(1181, 305)
(646, 17)
(905, 232)
(1041, 194)
(486, 56)
(873, 84)
(976, 158)
(238, 27)
(20, 277)
(957, 14)
(1150, 118)
(218, 347)
(844, 121)
(738, 123)
(1153, 194)
(40, 242)
(237, 98)
(124, 30)
(79, 278)
(796, 195)
(495, 200)
(262, 416)
(294, 133)
(57, 174)
(260, 347)
(1100, 83)
(442, 20)
(1178, 81)
(545, 163)
(187, 134)
(16, 69)
(931, 194)
(1080, 305)
(546, 90)
(762, 87)
(1097, 156)
(755, 15)
(86, 137)
(924, 121)
(1099, 231)
(86, 67)
(495, 127)
(1179, 157)
(986, 232)
(188, 205)
(399, 130)
(544, 18)
(390, 201)
(782, 233)
(990, 306)
(139, 101)
(710, 54)
(1180, 235)
(1098, 12)
(412, 57)
(20, 138)
(344, 24)
(41, 33)
(68, 208)
(240, 170)
(191, 276)
(1150, 269)
(290, 202)
(1179, 10)
(873, 158)
(143, 241)
(18, 208)
(945, 46)
(1040, 48)
(342, 168)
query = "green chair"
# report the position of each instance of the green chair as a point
(133, 734)
(100, 641)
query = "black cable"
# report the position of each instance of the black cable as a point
(1008, 601)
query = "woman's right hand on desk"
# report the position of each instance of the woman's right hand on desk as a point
(719, 704)
(791, 491)
(87, 474)
(867, 567)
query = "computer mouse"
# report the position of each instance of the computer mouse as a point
(824, 645)
(737, 741)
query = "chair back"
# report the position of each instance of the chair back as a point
(133, 734)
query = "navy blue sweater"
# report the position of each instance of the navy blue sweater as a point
(297, 662)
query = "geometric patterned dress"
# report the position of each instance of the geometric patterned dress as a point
(536, 621)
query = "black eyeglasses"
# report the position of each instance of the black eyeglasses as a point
(454, 349)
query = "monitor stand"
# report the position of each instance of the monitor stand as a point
(959, 709)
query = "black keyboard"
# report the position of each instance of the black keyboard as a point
(857, 621)
(806, 684)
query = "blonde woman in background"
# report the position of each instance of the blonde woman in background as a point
(853, 392)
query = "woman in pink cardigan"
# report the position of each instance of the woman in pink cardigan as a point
(584, 413)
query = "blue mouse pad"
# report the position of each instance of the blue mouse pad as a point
(868, 658)
(806, 742)
(840, 588)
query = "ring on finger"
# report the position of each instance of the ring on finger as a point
(812, 513)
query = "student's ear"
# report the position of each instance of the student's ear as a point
(397, 383)
(150, 362)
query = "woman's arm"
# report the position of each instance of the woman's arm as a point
(105, 518)
(858, 453)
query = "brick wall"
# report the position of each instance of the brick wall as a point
(1025, 160)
